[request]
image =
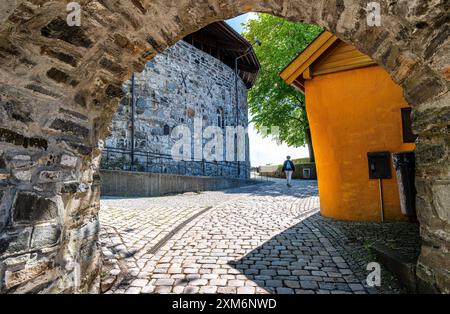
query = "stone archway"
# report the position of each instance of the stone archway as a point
(60, 85)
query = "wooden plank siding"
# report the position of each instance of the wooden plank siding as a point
(341, 57)
(326, 54)
(307, 57)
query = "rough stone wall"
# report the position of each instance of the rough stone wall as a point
(60, 86)
(179, 85)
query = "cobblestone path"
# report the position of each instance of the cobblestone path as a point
(263, 238)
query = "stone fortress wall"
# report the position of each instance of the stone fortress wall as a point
(177, 86)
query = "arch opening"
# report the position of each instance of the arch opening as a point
(60, 87)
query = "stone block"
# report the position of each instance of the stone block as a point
(15, 243)
(45, 236)
(429, 154)
(114, 91)
(23, 174)
(55, 176)
(441, 201)
(422, 86)
(21, 161)
(309, 284)
(58, 76)
(59, 29)
(88, 230)
(69, 161)
(14, 278)
(429, 118)
(292, 284)
(61, 56)
(30, 208)
(400, 266)
(70, 128)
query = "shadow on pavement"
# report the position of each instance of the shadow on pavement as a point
(321, 255)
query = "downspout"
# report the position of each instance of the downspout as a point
(237, 113)
(236, 75)
(132, 121)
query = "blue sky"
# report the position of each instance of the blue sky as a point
(264, 151)
(238, 20)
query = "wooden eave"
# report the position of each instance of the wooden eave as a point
(229, 45)
(316, 59)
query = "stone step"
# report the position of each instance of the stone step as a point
(401, 266)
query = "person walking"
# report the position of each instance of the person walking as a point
(288, 169)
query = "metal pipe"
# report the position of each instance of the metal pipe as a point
(237, 99)
(132, 121)
(381, 200)
(237, 110)
(236, 75)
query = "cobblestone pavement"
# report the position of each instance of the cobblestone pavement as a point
(262, 238)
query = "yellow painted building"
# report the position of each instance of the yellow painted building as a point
(354, 108)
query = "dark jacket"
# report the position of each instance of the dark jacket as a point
(285, 166)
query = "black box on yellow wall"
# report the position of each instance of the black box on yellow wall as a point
(379, 165)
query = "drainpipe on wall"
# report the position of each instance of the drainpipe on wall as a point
(132, 121)
(236, 75)
(236, 96)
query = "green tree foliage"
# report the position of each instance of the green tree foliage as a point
(272, 103)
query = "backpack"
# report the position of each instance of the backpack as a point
(288, 166)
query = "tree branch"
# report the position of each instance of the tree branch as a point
(295, 118)
(297, 102)
(297, 105)
(300, 101)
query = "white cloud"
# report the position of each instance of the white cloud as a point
(264, 151)
(251, 16)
